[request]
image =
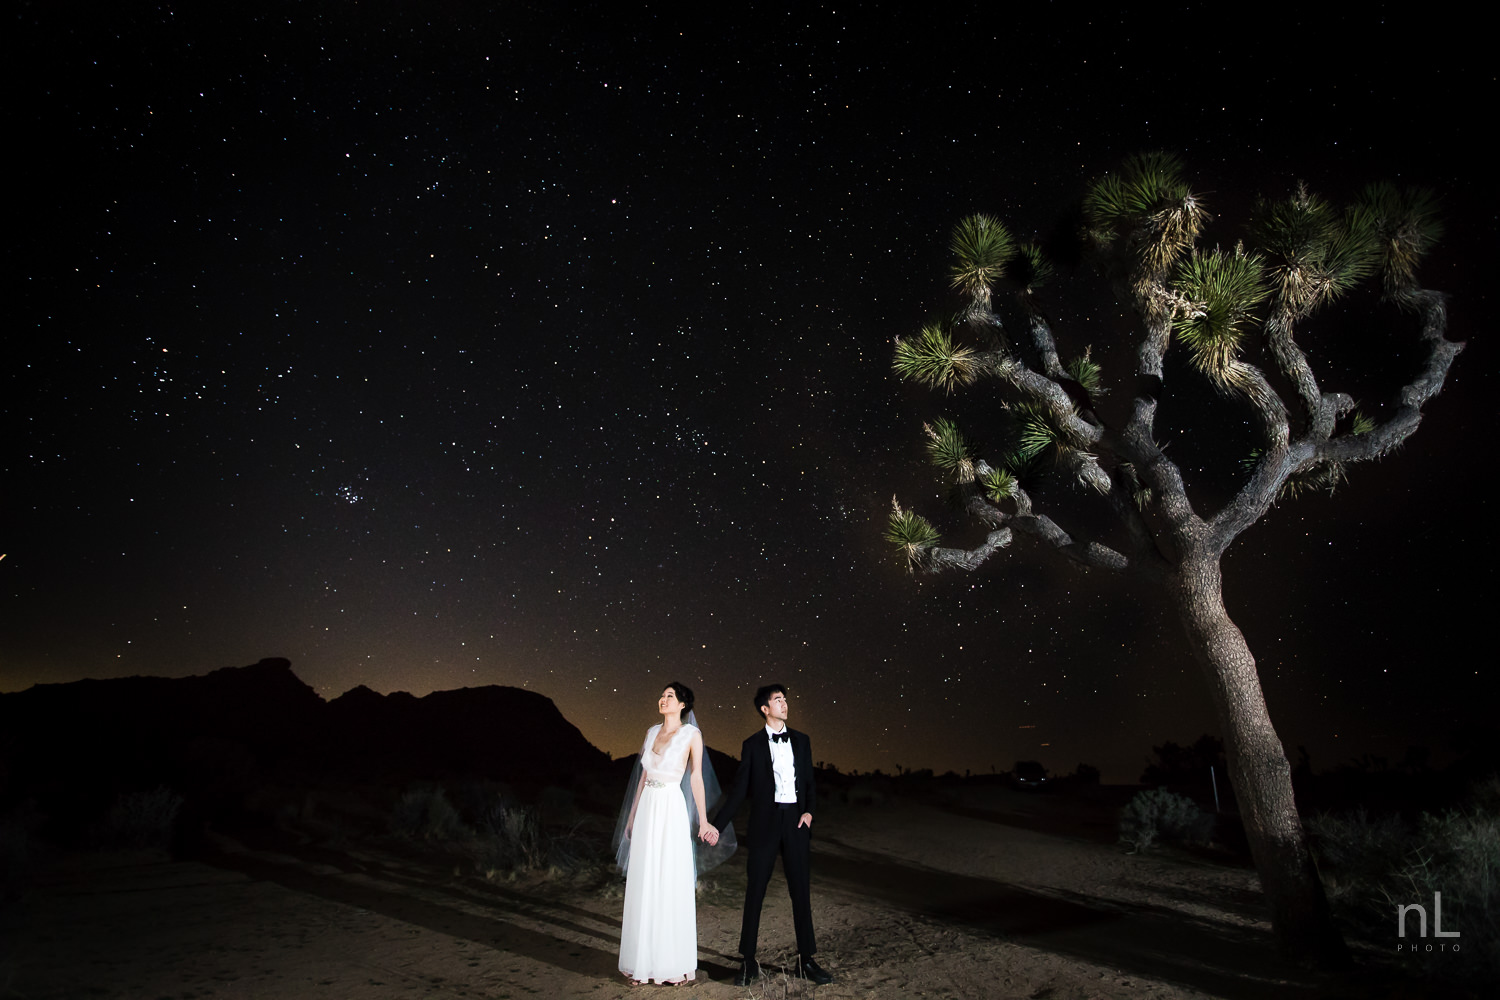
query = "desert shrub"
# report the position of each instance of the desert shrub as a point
(1373, 866)
(424, 813)
(511, 837)
(141, 819)
(1357, 852)
(573, 852)
(1157, 815)
(514, 838)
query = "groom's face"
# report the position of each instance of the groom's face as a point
(775, 709)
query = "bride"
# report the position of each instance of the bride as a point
(667, 798)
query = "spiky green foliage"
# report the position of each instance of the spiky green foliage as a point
(1086, 371)
(911, 533)
(1020, 464)
(933, 359)
(1140, 493)
(1150, 205)
(1406, 226)
(948, 449)
(1361, 424)
(1037, 433)
(998, 485)
(1030, 269)
(1221, 292)
(1315, 253)
(1146, 184)
(1322, 475)
(982, 246)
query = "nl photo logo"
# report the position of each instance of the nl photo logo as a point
(1410, 946)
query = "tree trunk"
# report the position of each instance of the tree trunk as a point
(1259, 769)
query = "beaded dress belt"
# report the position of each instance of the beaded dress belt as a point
(652, 782)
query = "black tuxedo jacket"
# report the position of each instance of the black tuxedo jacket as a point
(756, 781)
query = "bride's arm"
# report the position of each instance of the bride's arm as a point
(706, 830)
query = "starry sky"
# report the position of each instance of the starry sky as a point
(443, 345)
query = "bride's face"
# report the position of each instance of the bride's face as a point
(668, 704)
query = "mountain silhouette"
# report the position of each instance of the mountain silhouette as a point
(215, 738)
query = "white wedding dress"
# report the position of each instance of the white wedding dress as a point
(659, 932)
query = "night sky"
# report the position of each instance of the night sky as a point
(433, 345)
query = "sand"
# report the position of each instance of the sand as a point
(993, 893)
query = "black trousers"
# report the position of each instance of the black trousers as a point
(793, 844)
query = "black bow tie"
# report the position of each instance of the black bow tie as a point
(781, 737)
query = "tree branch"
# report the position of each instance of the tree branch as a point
(1041, 337)
(1086, 553)
(1091, 554)
(1293, 366)
(1279, 464)
(1156, 470)
(940, 559)
(1086, 469)
(1386, 436)
(1042, 389)
(1275, 467)
(1252, 384)
(1122, 501)
(1047, 393)
(1335, 406)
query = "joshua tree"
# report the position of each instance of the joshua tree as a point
(1221, 307)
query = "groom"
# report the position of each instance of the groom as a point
(776, 773)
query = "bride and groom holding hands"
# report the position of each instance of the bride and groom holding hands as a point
(665, 838)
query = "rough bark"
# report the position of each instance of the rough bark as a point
(1258, 767)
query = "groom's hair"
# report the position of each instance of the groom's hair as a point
(763, 697)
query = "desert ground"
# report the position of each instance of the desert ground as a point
(995, 893)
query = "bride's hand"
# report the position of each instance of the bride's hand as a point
(708, 834)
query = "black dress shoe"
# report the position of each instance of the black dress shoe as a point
(812, 971)
(749, 972)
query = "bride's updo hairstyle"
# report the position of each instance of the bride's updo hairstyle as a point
(684, 695)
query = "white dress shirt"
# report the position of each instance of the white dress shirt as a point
(783, 767)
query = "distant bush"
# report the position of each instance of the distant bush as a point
(1085, 774)
(424, 813)
(1159, 815)
(871, 790)
(1189, 765)
(1373, 866)
(141, 819)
